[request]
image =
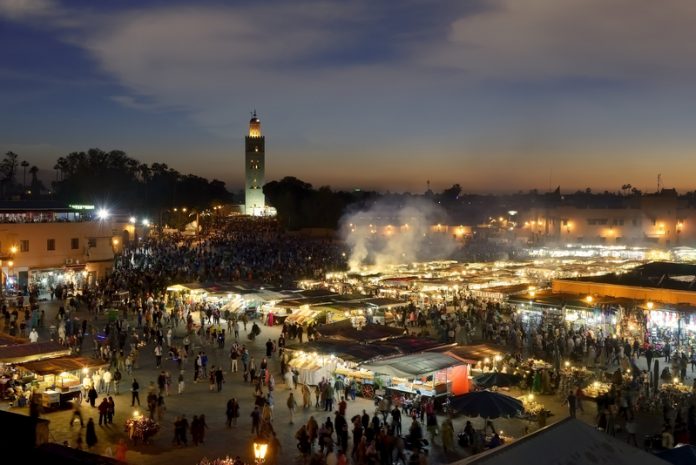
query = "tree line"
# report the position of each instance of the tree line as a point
(115, 179)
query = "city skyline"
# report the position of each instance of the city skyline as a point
(498, 96)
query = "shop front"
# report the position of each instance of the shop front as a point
(676, 326)
(72, 276)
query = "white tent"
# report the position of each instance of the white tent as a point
(569, 441)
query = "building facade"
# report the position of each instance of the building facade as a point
(659, 219)
(255, 169)
(51, 253)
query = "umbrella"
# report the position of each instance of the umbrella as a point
(682, 455)
(497, 378)
(487, 404)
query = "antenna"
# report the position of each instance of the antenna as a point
(659, 182)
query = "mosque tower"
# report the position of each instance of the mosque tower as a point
(255, 168)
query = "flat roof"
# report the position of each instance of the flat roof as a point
(658, 275)
(31, 351)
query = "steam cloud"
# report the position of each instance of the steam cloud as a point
(393, 232)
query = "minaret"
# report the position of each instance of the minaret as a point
(255, 169)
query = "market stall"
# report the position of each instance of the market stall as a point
(429, 374)
(674, 325)
(325, 357)
(14, 382)
(383, 310)
(345, 329)
(302, 316)
(17, 353)
(312, 367)
(59, 380)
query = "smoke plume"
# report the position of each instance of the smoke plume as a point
(394, 231)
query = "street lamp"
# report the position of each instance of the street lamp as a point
(260, 449)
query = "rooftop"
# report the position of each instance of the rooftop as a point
(662, 275)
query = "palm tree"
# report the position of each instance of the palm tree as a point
(35, 186)
(24, 165)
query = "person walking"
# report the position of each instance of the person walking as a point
(103, 411)
(90, 434)
(292, 406)
(219, 378)
(77, 413)
(234, 356)
(181, 382)
(106, 380)
(571, 401)
(578, 399)
(255, 420)
(306, 397)
(135, 393)
(232, 412)
(447, 431)
(158, 355)
(92, 396)
(111, 410)
(121, 450)
(117, 380)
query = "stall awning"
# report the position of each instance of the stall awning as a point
(191, 287)
(411, 345)
(473, 353)
(177, 288)
(28, 352)
(349, 352)
(302, 316)
(54, 366)
(385, 302)
(7, 340)
(411, 366)
(344, 329)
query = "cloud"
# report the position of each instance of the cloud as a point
(541, 39)
(136, 104)
(25, 9)
(213, 59)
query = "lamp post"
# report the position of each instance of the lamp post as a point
(260, 450)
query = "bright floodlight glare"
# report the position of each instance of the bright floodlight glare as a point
(103, 213)
(132, 219)
(146, 222)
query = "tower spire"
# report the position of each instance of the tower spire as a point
(254, 143)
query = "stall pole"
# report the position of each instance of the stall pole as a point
(679, 321)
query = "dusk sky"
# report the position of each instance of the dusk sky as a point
(497, 95)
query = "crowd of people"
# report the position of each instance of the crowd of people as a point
(176, 336)
(246, 249)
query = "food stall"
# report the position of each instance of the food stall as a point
(13, 382)
(429, 374)
(302, 316)
(325, 357)
(312, 367)
(59, 380)
(383, 310)
(346, 330)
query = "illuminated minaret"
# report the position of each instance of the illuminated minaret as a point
(255, 150)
